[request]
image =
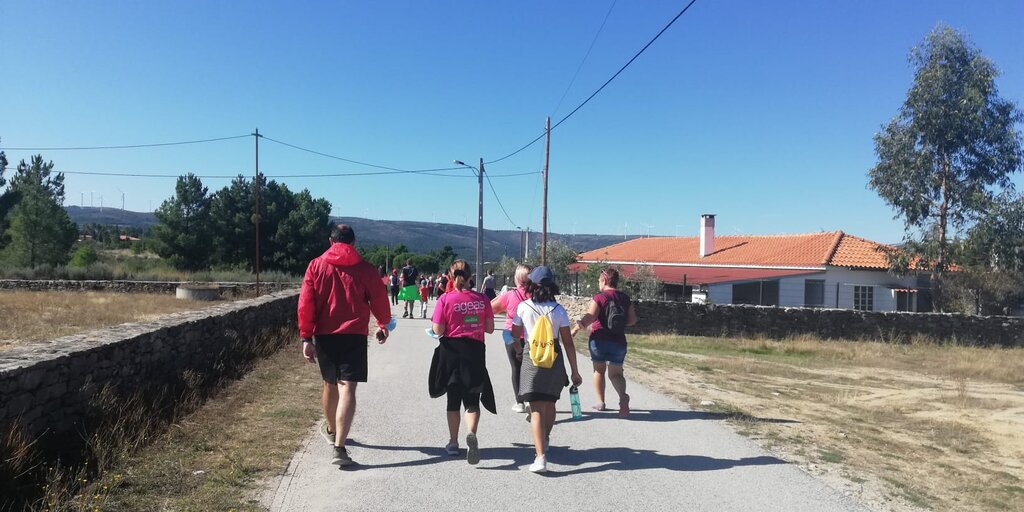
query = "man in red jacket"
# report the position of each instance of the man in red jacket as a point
(339, 292)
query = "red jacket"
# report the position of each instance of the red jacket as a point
(338, 294)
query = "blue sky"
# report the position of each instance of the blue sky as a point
(760, 112)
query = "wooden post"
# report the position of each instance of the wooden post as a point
(544, 234)
(257, 216)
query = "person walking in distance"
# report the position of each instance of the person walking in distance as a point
(507, 303)
(488, 285)
(394, 286)
(339, 291)
(462, 318)
(410, 292)
(608, 315)
(541, 382)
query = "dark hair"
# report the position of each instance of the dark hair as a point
(544, 291)
(611, 276)
(460, 272)
(343, 233)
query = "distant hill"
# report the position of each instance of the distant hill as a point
(417, 236)
(110, 216)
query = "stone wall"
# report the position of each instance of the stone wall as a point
(229, 288)
(48, 388)
(774, 322)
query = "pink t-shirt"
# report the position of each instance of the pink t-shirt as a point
(511, 299)
(463, 313)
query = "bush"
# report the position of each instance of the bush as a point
(84, 256)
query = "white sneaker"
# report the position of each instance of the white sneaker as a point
(540, 465)
(519, 407)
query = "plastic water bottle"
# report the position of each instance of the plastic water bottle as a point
(574, 399)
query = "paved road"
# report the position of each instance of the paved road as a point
(665, 457)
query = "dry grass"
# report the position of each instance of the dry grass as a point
(187, 449)
(903, 427)
(30, 316)
(215, 458)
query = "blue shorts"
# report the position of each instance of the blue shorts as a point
(607, 352)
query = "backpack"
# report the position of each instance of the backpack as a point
(409, 276)
(394, 280)
(614, 315)
(543, 340)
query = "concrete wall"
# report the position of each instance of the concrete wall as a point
(47, 387)
(781, 322)
(134, 286)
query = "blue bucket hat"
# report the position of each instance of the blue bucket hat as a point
(541, 273)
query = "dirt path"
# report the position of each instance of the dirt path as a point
(896, 439)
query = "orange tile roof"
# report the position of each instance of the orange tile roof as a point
(813, 250)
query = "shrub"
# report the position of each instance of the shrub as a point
(84, 256)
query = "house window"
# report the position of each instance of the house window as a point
(757, 293)
(814, 293)
(864, 298)
(904, 300)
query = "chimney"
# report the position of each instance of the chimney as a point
(707, 234)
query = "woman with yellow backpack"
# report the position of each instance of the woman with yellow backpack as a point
(543, 376)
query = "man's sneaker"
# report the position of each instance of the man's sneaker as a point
(405, 314)
(341, 457)
(540, 465)
(326, 434)
(473, 454)
(519, 407)
(452, 449)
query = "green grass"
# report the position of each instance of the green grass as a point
(832, 456)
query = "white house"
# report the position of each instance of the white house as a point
(828, 269)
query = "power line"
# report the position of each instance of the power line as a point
(343, 159)
(599, 89)
(498, 199)
(584, 60)
(281, 176)
(129, 146)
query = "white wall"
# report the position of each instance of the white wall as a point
(883, 282)
(791, 289)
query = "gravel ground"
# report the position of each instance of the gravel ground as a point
(664, 457)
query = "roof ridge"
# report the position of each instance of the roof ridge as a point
(835, 247)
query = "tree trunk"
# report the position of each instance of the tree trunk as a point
(938, 295)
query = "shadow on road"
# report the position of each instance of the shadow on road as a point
(596, 460)
(628, 459)
(666, 416)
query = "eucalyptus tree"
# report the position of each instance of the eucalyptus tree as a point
(948, 151)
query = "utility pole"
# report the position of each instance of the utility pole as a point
(257, 216)
(526, 252)
(480, 228)
(544, 235)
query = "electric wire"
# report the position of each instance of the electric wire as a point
(498, 199)
(599, 89)
(127, 146)
(282, 176)
(343, 159)
(585, 56)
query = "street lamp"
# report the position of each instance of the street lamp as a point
(480, 216)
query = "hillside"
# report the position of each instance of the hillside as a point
(417, 236)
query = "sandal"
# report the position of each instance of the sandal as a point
(599, 407)
(624, 407)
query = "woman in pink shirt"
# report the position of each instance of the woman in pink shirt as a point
(462, 317)
(508, 302)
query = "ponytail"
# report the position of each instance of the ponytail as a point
(459, 272)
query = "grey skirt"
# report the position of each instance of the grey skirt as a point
(542, 382)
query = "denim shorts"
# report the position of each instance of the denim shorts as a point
(607, 352)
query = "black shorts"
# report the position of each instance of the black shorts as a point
(342, 357)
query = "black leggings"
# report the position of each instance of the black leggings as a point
(458, 396)
(517, 365)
